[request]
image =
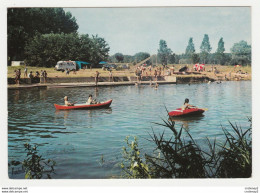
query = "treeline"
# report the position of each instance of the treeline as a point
(240, 54)
(43, 36)
(46, 49)
(138, 57)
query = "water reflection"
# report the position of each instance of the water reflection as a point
(16, 96)
(186, 121)
(96, 92)
(74, 113)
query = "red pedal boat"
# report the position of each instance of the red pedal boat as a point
(84, 106)
(187, 112)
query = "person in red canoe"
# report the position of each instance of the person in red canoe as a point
(67, 103)
(186, 105)
(91, 100)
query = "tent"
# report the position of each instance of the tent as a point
(82, 64)
(102, 62)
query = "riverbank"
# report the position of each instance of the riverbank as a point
(222, 71)
(89, 84)
(105, 81)
(85, 78)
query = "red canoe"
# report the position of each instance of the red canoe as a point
(187, 112)
(84, 106)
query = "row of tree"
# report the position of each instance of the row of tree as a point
(240, 53)
(43, 36)
(138, 57)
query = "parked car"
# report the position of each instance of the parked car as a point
(125, 66)
(113, 66)
(109, 66)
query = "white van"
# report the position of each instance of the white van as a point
(17, 63)
(63, 65)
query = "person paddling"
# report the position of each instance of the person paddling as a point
(67, 103)
(186, 105)
(91, 100)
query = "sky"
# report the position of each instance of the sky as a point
(132, 30)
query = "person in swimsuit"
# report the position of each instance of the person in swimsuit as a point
(67, 103)
(96, 77)
(91, 100)
(186, 105)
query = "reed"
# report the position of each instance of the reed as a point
(181, 157)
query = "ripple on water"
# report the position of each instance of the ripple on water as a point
(76, 140)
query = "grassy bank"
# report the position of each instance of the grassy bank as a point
(228, 71)
(81, 73)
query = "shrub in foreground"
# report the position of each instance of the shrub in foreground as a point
(182, 157)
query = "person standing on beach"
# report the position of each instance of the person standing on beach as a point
(150, 70)
(17, 76)
(25, 72)
(155, 74)
(41, 73)
(37, 74)
(45, 76)
(111, 76)
(96, 77)
(159, 72)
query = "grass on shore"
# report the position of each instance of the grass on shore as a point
(224, 70)
(80, 73)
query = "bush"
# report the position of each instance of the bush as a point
(236, 154)
(180, 157)
(34, 166)
(133, 165)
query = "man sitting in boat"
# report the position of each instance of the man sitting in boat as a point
(67, 103)
(91, 100)
(186, 105)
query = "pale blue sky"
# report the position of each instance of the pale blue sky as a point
(132, 30)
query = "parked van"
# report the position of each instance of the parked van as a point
(63, 65)
(17, 63)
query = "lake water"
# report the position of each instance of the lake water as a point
(78, 139)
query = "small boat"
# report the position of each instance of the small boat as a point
(187, 112)
(84, 106)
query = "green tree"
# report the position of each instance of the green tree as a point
(205, 48)
(128, 58)
(241, 53)
(45, 50)
(100, 49)
(190, 50)
(195, 58)
(24, 23)
(172, 58)
(84, 48)
(140, 56)
(220, 51)
(163, 52)
(119, 57)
